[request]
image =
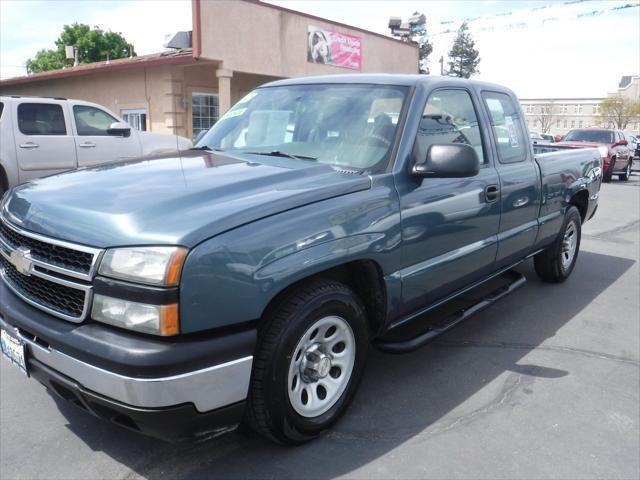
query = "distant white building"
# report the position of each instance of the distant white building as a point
(559, 115)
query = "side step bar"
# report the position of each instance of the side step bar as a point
(515, 281)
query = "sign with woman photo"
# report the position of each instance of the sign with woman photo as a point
(334, 48)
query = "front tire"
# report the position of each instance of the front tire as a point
(309, 361)
(623, 177)
(556, 262)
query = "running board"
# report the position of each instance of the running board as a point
(515, 281)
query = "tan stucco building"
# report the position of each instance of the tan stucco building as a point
(235, 46)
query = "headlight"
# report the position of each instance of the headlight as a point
(141, 317)
(604, 151)
(149, 265)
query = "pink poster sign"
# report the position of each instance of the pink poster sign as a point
(334, 48)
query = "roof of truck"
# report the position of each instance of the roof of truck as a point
(382, 79)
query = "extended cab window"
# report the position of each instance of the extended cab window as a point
(448, 117)
(41, 119)
(347, 125)
(507, 127)
(92, 121)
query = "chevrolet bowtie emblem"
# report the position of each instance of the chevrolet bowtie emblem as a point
(20, 260)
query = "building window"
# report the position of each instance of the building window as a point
(580, 124)
(558, 123)
(596, 109)
(579, 108)
(204, 112)
(565, 124)
(535, 124)
(137, 118)
(563, 109)
(573, 123)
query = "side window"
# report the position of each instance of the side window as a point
(448, 117)
(91, 121)
(507, 127)
(41, 119)
(1, 109)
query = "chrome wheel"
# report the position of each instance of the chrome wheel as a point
(569, 243)
(321, 366)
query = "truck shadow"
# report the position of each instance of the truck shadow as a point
(402, 398)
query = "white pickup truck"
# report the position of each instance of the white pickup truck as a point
(42, 136)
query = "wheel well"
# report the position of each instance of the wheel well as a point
(581, 201)
(364, 277)
(4, 180)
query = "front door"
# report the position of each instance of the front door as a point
(95, 145)
(449, 225)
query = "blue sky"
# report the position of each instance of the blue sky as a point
(573, 55)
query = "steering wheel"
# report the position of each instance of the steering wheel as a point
(377, 141)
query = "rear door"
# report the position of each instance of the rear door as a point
(449, 225)
(519, 179)
(95, 145)
(44, 141)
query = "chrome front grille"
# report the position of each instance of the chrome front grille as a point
(52, 275)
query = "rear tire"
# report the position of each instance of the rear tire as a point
(309, 361)
(623, 177)
(556, 262)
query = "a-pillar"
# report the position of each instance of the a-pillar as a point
(224, 89)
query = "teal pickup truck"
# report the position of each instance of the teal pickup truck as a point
(246, 279)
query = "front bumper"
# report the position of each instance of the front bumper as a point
(192, 381)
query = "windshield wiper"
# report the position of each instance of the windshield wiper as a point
(280, 153)
(207, 149)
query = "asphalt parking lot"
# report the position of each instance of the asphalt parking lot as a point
(544, 384)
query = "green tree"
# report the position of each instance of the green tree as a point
(425, 50)
(618, 111)
(93, 44)
(419, 36)
(463, 57)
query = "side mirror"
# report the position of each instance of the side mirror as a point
(452, 160)
(119, 129)
(201, 134)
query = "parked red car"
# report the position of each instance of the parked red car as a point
(617, 158)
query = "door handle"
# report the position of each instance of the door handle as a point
(29, 145)
(87, 145)
(491, 193)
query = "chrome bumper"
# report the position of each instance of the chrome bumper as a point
(207, 389)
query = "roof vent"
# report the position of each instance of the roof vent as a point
(179, 41)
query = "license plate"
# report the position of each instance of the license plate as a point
(14, 350)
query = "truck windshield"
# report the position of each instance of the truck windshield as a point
(351, 126)
(596, 136)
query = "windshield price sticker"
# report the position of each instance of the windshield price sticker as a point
(236, 112)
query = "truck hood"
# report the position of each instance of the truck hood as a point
(177, 200)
